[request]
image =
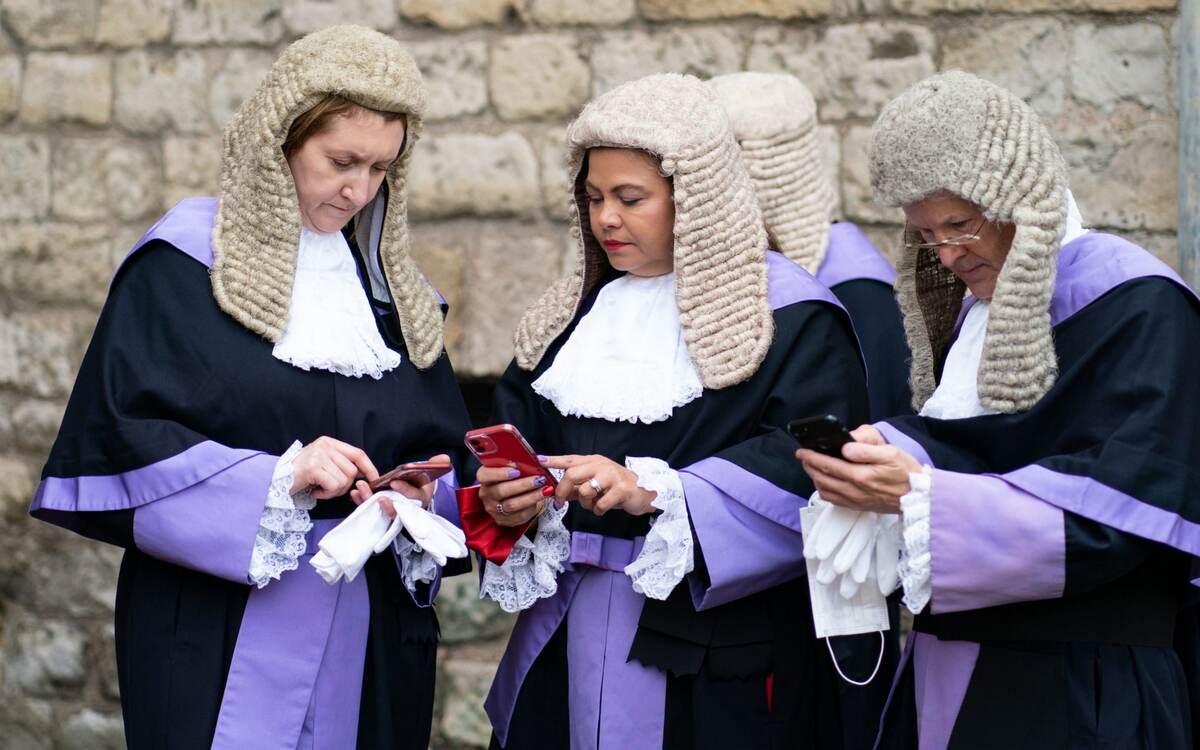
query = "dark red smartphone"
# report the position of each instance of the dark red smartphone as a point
(502, 445)
(825, 434)
(417, 473)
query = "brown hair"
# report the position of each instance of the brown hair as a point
(318, 119)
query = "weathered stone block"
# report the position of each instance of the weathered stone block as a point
(28, 723)
(228, 22)
(237, 74)
(10, 85)
(55, 263)
(16, 485)
(1106, 6)
(852, 70)
(97, 180)
(1026, 56)
(463, 685)
(191, 166)
(474, 174)
(304, 16)
(556, 181)
(537, 75)
(44, 656)
(856, 180)
(441, 260)
(1114, 63)
(458, 14)
(571, 12)
(24, 177)
(134, 23)
(465, 617)
(1136, 187)
(508, 268)
(36, 356)
(94, 731)
(455, 76)
(661, 10)
(704, 52)
(157, 91)
(60, 576)
(35, 423)
(930, 7)
(44, 24)
(62, 87)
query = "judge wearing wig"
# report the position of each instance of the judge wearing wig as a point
(1048, 488)
(259, 352)
(775, 120)
(661, 596)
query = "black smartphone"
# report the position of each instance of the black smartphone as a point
(824, 434)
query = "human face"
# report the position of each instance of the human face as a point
(632, 211)
(338, 170)
(977, 263)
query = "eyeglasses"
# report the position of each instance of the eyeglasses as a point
(965, 239)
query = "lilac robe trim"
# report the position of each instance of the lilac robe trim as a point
(974, 522)
(905, 656)
(188, 227)
(904, 442)
(210, 526)
(850, 256)
(1094, 264)
(788, 283)
(293, 686)
(941, 673)
(595, 571)
(137, 487)
(748, 528)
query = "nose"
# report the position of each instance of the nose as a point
(949, 254)
(610, 218)
(356, 188)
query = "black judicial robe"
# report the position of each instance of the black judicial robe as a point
(730, 659)
(1062, 537)
(167, 447)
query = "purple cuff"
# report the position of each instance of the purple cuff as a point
(211, 525)
(747, 528)
(446, 506)
(991, 543)
(903, 442)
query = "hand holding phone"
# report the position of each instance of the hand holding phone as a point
(417, 473)
(825, 434)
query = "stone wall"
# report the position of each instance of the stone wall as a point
(110, 112)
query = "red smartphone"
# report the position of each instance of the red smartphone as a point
(502, 445)
(416, 473)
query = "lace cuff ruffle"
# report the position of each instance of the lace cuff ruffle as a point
(668, 554)
(915, 568)
(531, 570)
(284, 522)
(416, 564)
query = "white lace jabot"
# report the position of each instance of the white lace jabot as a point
(330, 324)
(626, 360)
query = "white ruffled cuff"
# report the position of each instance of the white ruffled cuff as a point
(668, 554)
(416, 564)
(915, 568)
(284, 522)
(531, 570)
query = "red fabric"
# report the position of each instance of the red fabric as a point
(770, 691)
(484, 535)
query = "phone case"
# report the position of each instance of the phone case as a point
(418, 472)
(501, 445)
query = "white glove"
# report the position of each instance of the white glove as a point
(853, 546)
(432, 533)
(347, 547)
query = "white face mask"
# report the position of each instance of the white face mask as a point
(834, 614)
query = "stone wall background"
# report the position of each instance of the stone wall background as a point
(110, 111)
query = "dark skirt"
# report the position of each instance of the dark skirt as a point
(175, 635)
(803, 704)
(1059, 696)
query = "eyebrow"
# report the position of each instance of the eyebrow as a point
(616, 188)
(357, 157)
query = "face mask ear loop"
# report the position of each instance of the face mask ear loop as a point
(878, 662)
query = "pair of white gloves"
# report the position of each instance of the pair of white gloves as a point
(367, 531)
(857, 547)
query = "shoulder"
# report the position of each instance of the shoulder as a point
(851, 256)
(788, 284)
(1102, 271)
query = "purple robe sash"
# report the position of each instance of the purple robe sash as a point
(850, 256)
